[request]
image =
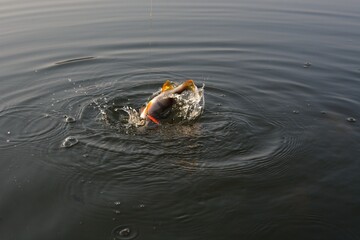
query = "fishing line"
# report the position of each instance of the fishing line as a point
(150, 35)
(150, 9)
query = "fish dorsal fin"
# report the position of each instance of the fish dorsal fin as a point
(167, 86)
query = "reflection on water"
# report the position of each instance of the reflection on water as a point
(273, 154)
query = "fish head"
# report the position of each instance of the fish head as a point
(145, 109)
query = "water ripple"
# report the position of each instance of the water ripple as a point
(28, 124)
(314, 224)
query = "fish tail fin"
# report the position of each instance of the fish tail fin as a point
(167, 86)
(189, 84)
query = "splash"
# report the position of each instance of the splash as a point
(189, 105)
(134, 117)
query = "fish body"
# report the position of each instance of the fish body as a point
(160, 104)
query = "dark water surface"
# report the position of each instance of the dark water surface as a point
(275, 155)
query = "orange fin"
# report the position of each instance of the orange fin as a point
(167, 86)
(153, 119)
(189, 84)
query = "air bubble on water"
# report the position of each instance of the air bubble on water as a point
(351, 119)
(125, 232)
(69, 119)
(117, 203)
(69, 142)
(307, 64)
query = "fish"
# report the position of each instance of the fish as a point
(161, 104)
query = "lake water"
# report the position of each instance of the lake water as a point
(275, 155)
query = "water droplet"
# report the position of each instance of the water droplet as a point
(69, 119)
(69, 142)
(8, 132)
(307, 64)
(351, 119)
(117, 203)
(124, 233)
(7, 140)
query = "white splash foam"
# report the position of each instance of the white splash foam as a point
(134, 117)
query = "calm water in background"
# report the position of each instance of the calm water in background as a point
(274, 156)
